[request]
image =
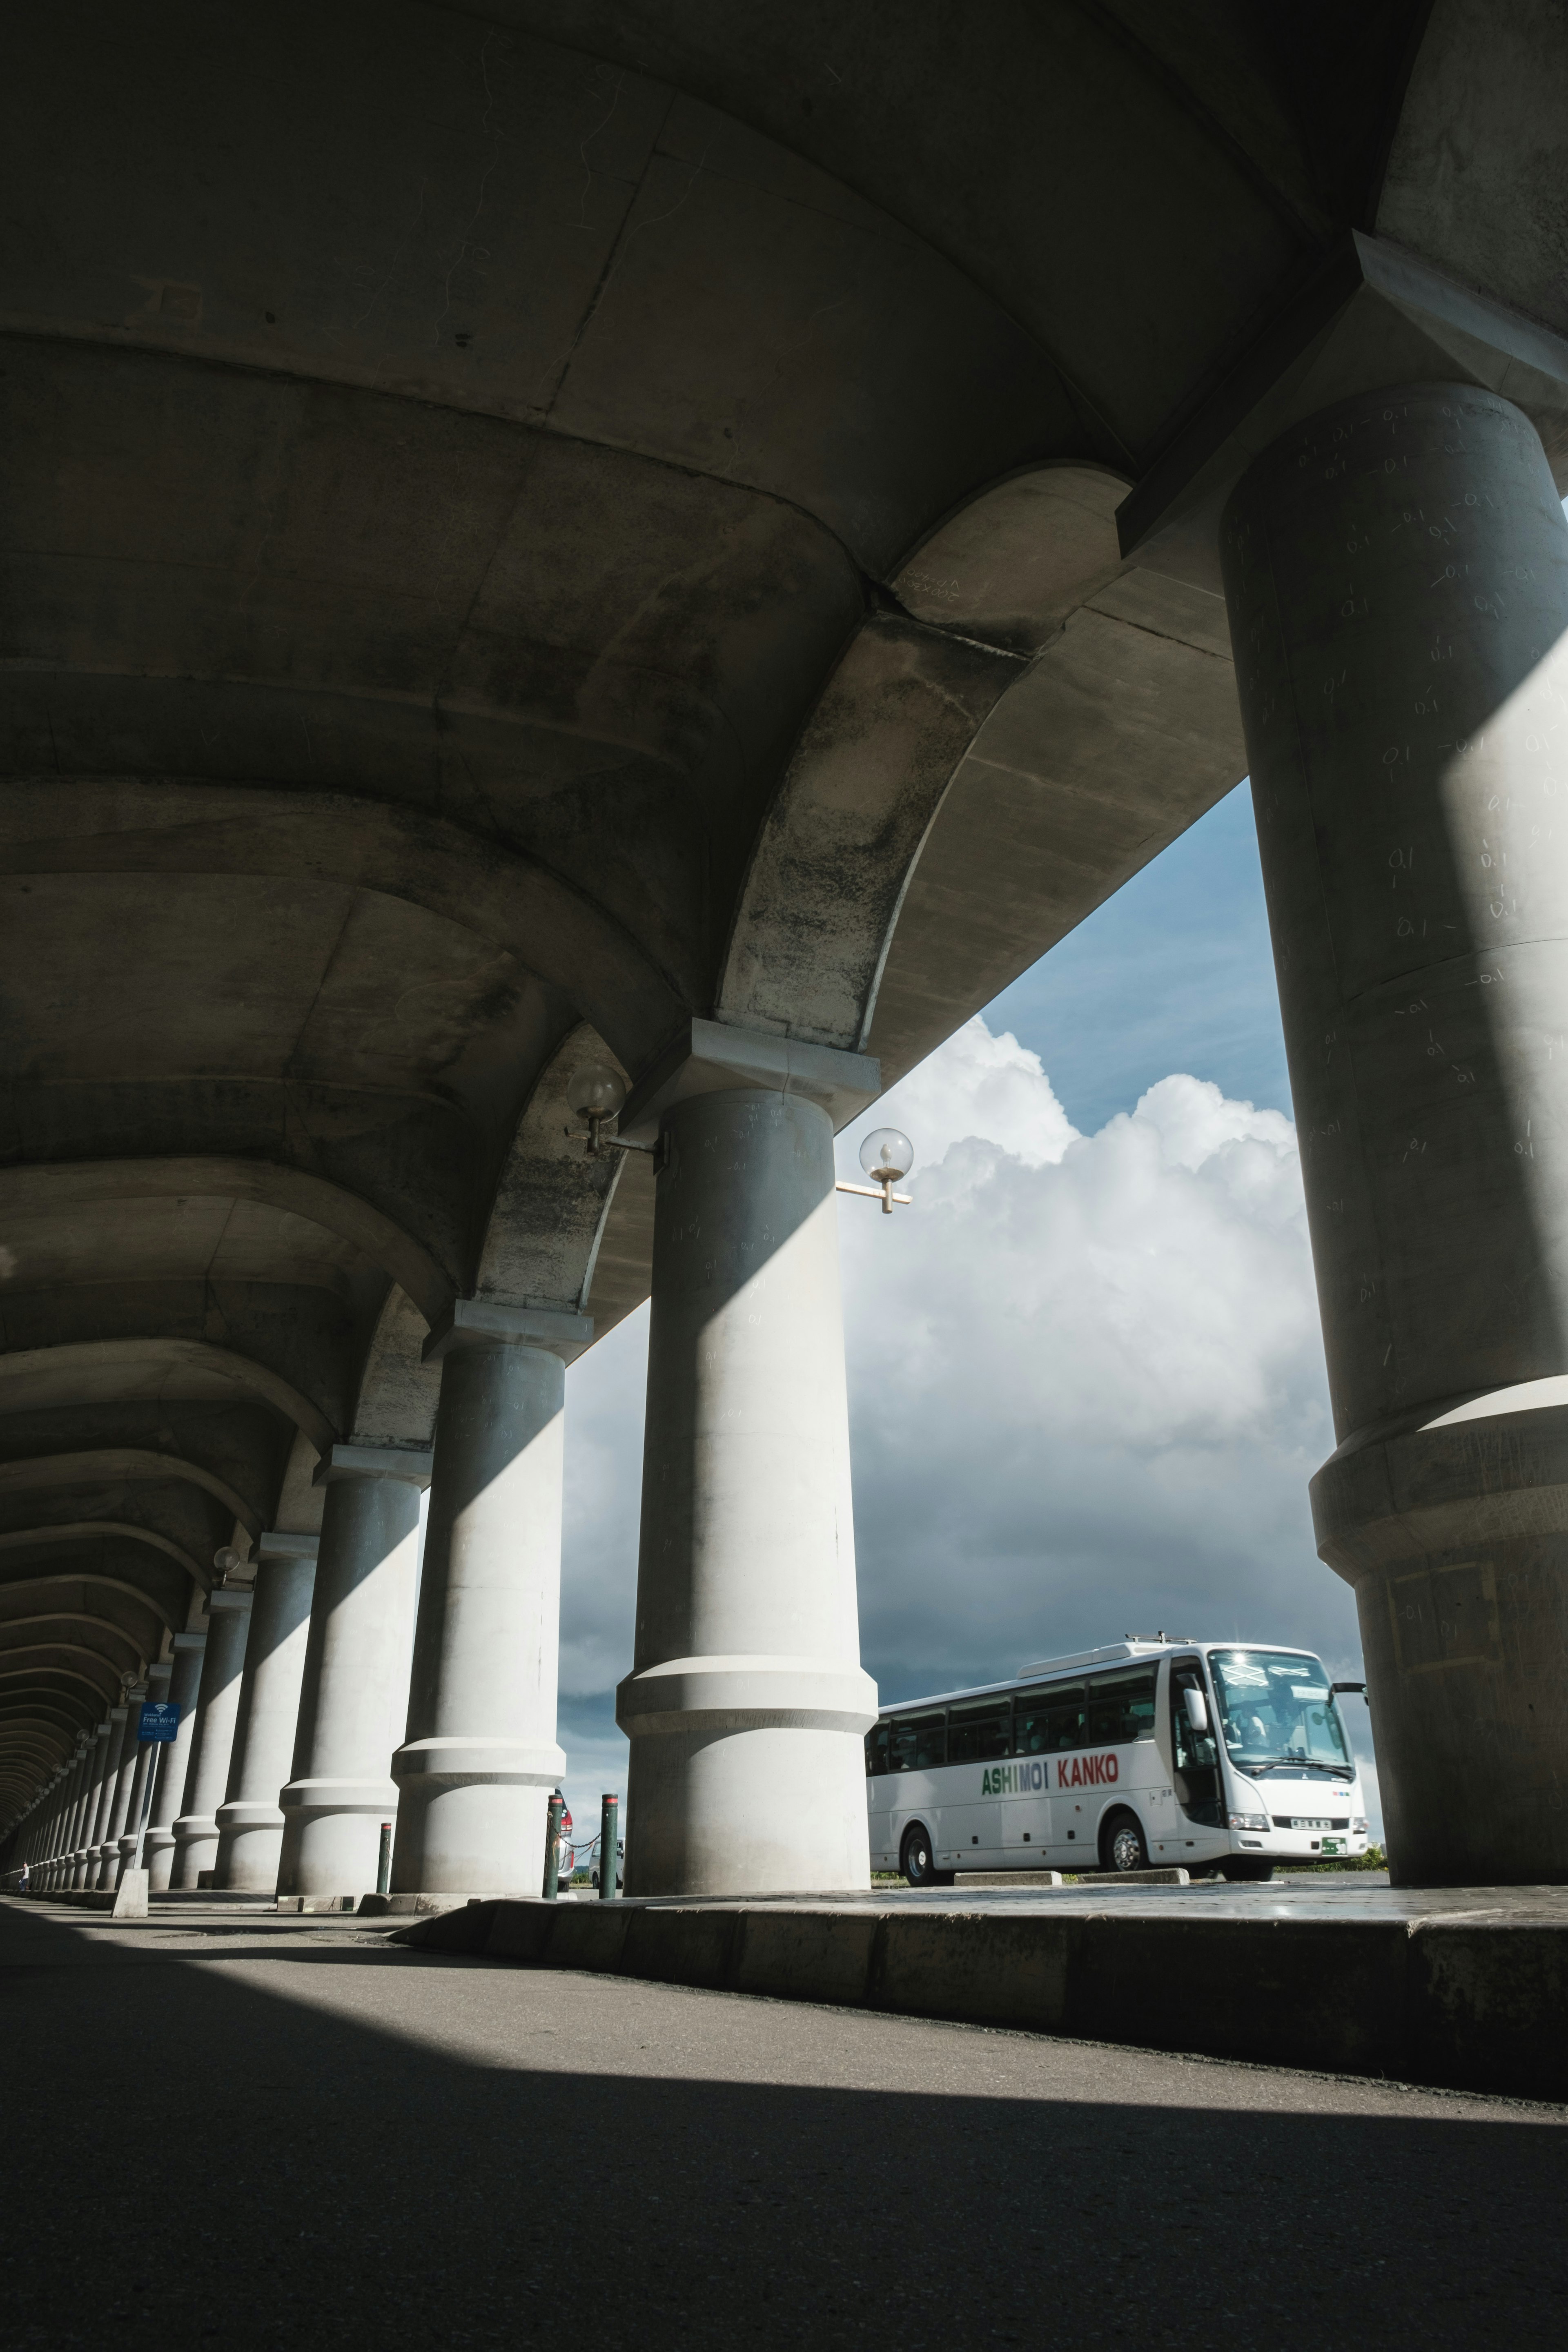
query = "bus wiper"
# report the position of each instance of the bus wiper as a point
(1273, 1764)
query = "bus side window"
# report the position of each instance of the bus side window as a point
(1031, 1723)
(1066, 1725)
(978, 1734)
(877, 1750)
(919, 1743)
(1121, 1707)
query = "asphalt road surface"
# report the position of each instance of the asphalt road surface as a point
(246, 2132)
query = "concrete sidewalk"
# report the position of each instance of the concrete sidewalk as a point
(1463, 1988)
(229, 2132)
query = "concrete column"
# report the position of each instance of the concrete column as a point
(475, 1771)
(354, 1691)
(92, 1789)
(212, 1741)
(747, 1702)
(57, 1871)
(147, 1754)
(120, 1794)
(74, 1812)
(105, 1788)
(250, 1819)
(171, 1762)
(1396, 570)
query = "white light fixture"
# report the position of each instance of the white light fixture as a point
(886, 1156)
(225, 1559)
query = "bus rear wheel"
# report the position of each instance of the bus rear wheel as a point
(1253, 1873)
(1121, 1843)
(917, 1859)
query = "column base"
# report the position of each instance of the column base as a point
(473, 1813)
(158, 1858)
(747, 1777)
(331, 1835)
(249, 1846)
(108, 1864)
(195, 1850)
(1455, 1535)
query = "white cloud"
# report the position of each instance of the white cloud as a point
(1086, 1389)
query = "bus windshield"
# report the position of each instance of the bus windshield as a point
(1277, 1709)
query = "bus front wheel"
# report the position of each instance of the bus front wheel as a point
(917, 1859)
(1121, 1843)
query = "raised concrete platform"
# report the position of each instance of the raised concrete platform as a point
(1467, 1989)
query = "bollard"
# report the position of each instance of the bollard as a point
(552, 1846)
(383, 1861)
(609, 1846)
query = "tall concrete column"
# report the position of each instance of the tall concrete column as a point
(354, 1691)
(250, 1819)
(105, 1788)
(212, 1741)
(92, 1789)
(119, 1794)
(747, 1702)
(171, 1762)
(146, 1764)
(1396, 570)
(61, 1838)
(475, 1771)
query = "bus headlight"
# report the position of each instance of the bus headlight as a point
(1357, 1827)
(1247, 1820)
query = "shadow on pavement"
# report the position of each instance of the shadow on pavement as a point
(194, 2160)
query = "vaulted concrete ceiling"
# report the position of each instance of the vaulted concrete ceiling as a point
(523, 524)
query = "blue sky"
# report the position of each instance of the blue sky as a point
(1174, 972)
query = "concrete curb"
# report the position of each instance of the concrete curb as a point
(1472, 2006)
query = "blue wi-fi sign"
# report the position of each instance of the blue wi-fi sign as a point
(160, 1719)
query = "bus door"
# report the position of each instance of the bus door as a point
(979, 1749)
(1195, 1755)
(1026, 1821)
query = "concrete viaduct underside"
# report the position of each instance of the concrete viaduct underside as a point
(699, 539)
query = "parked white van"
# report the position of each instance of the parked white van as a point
(1142, 1753)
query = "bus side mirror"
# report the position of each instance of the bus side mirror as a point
(1359, 1688)
(1197, 1709)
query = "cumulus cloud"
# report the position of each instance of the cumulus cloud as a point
(1087, 1389)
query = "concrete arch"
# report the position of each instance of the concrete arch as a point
(398, 1391)
(98, 1183)
(53, 1657)
(134, 1613)
(62, 1622)
(1032, 721)
(89, 1371)
(93, 1531)
(43, 1472)
(156, 825)
(550, 1206)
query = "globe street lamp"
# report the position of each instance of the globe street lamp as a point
(886, 1156)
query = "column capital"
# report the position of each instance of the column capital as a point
(491, 1323)
(710, 1057)
(1374, 315)
(230, 1596)
(282, 1543)
(191, 1641)
(410, 1464)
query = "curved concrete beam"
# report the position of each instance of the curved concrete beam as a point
(90, 1372)
(118, 1635)
(548, 1210)
(96, 1184)
(50, 1657)
(52, 1470)
(155, 826)
(93, 1531)
(398, 1390)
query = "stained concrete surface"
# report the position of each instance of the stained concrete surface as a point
(243, 2130)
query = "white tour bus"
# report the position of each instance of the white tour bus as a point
(1206, 1754)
